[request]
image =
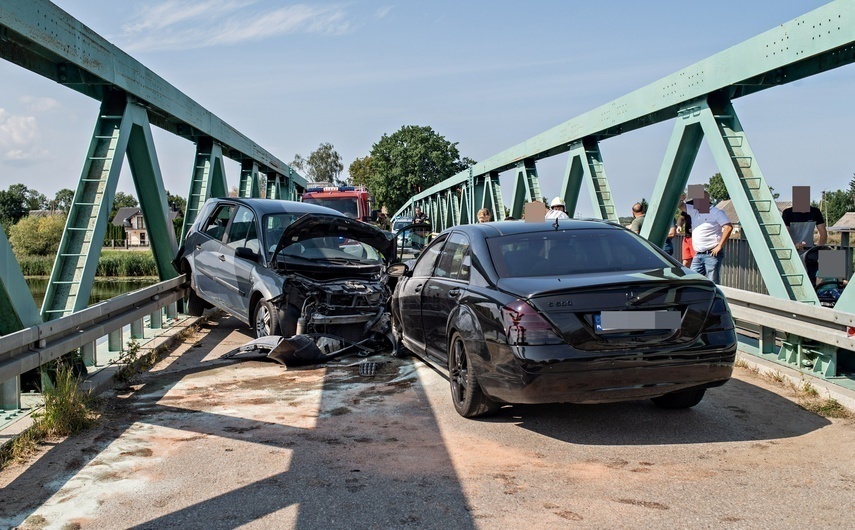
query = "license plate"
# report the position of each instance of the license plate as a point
(620, 321)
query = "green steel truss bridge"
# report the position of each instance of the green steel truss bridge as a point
(787, 326)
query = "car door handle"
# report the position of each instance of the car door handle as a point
(418, 289)
(454, 293)
(198, 247)
(221, 257)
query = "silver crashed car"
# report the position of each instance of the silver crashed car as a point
(288, 268)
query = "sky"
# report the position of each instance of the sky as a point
(487, 74)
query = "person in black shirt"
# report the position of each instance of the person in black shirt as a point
(801, 226)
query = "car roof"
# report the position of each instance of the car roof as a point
(503, 228)
(267, 206)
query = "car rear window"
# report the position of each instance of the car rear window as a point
(566, 252)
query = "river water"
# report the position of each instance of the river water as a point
(102, 289)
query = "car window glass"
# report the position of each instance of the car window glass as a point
(216, 226)
(274, 225)
(424, 266)
(452, 256)
(573, 252)
(242, 232)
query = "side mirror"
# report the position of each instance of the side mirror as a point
(398, 270)
(374, 215)
(245, 253)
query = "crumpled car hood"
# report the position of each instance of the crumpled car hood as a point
(314, 225)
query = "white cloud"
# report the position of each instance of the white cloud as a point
(182, 24)
(19, 137)
(42, 104)
(382, 12)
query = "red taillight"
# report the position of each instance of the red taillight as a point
(525, 327)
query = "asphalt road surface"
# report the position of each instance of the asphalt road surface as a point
(207, 442)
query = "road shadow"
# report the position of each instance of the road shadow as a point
(736, 412)
(373, 459)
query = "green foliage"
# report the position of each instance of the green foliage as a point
(126, 263)
(13, 205)
(834, 204)
(716, 188)
(36, 265)
(122, 200)
(410, 161)
(37, 236)
(323, 165)
(361, 171)
(62, 200)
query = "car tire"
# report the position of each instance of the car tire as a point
(272, 321)
(466, 394)
(195, 305)
(680, 400)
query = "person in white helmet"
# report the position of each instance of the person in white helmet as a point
(556, 209)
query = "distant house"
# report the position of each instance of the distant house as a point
(131, 219)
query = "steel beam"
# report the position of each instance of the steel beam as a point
(526, 187)
(248, 187)
(209, 180)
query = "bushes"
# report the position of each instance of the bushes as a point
(128, 263)
(37, 236)
(112, 263)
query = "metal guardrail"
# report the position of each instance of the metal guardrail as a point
(32, 347)
(805, 337)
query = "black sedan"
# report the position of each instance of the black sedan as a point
(576, 312)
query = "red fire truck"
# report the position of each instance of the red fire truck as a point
(353, 201)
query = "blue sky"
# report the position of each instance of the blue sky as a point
(485, 74)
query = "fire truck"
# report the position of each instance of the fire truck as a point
(353, 201)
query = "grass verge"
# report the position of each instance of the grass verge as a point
(67, 410)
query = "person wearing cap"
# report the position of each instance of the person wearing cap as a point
(383, 222)
(556, 209)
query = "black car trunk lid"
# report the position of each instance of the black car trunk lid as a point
(600, 312)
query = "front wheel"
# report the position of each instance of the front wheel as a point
(265, 320)
(680, 400)
(466, 394)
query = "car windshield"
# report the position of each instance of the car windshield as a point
(567, 252)
(332, 248)
(345, 205)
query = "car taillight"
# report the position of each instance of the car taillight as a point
(719, 318)
(525, 327)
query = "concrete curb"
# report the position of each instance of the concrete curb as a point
(844, 396)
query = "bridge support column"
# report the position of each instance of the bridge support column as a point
(89, 352)
(114, 340)
(156, 321)
(10, 394)
(782, 270)
(274, 186)
(137, 327)
(585, 163)
(526, 187)
(208, 180)
(249, 187)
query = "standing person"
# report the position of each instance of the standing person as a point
(684, 224)
(668, 247)
(801, 226)
(556, 209)
(383, 222)
(638, 214)
(419, 216)
(710, 231)
(483, 215)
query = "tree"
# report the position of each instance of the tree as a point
(122, 200)
(410, 161)
(35, 200)
(37, 235)
(716, 188)
(323, 165)
(13, 205)
(361, 171)
(834, 204)
(62, 200)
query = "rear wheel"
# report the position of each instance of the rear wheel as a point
(680, 400)
(466, 394)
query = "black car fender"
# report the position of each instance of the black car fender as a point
(465, 322)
